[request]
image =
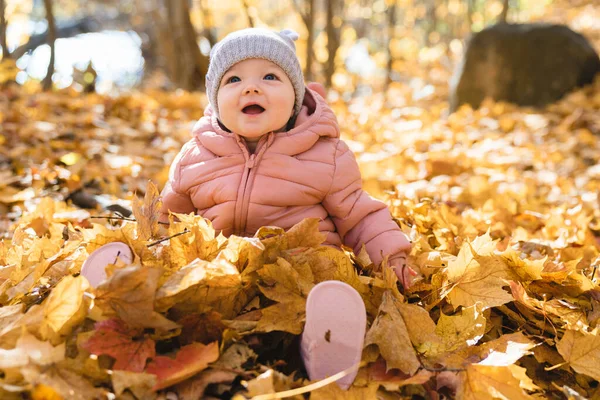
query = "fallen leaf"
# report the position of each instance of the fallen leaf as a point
(203, 286)
(333, 392)
(481, 382)
(140, 384)
(31, 350)
(582, 351)
(506, 350)
(129, 294)
(234, 357)
(390, 335)
(65, 308)
(460, 330)
(477, 276)
(67, 384)
(188, 361)
(128, 346)
(193, 389)
(393, 380)
(270, 381)
(147, 213)
(287, 317)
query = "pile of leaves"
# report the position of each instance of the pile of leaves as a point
(501, 203)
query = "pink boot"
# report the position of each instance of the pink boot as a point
(334, 333)
(94, 268)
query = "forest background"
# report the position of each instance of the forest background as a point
(501, 203)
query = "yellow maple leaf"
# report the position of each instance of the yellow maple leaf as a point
(285, 317)
(65, 308)
(31, 350)
(200, 241)
(389, 333)
(283, 282)
(463, 329)
(333, 392)
(147, 212)
(582, 351)
(202, 286)
(482, 382)
(140, 384)
(129, 293)
(477, 276)
(526, 270)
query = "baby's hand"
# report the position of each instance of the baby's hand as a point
(403, 271)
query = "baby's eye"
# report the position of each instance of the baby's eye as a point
(270, 77)
(233, 79)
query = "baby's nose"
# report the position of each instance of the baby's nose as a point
(251, 89)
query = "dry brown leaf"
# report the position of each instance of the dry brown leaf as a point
(65, 308)
(147, 212)
(202, 286)
(481, 382)
(582, 351)
(129, 294)
(390, 335)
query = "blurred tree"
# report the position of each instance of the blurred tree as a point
(250, 14)
(333, 28)
(432, 21)
(5, 52)
(307, 12)
(208, 22)
(47, 82)
(391, 28)
(504, 12)
(172, 40)
(470, 10)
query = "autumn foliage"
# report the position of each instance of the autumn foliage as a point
(501, 204)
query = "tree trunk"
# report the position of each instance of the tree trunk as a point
(184, 64)
(310, 41)
(333, 37)
(308, 17)
(208, 23)
(251, 23)
(5, 53)
(470, 11)
(391, 27)
(504, 13)
(47, 82)
(432, 21)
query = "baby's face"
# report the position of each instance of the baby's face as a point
(255, 97)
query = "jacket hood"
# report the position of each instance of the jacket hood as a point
(315, 120)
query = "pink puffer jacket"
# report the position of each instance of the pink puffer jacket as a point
(305, 172)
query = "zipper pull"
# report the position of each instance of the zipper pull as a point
(250, 161)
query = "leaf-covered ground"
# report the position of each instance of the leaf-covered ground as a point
(502, 205)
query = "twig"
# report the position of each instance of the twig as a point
(516, 316)
(168, 237)
(112, 218)
(121, 218)
(442, 369)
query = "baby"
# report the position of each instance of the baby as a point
(268, 152)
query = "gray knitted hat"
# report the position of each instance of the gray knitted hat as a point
(277, 47)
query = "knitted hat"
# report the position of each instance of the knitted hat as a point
(277, 47)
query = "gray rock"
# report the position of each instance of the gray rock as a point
(526, 64)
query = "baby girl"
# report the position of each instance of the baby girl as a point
(268, 152)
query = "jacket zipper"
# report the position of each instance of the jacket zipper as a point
(246, 193)
(241, 209)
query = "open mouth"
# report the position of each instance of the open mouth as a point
(253, 109)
